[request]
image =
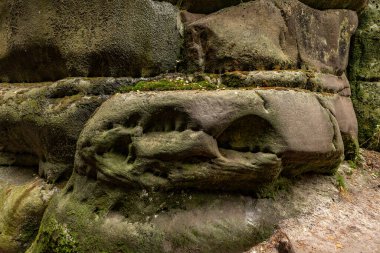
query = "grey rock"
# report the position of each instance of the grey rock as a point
(356, 5)
(40, 123)
(243, 38)
(50, 40)
(215, 5)
(364, 75)
(230, 140)
(21, 208)
(146, 220)
(317, 82)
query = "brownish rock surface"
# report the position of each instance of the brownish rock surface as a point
(349, 223)
(296, 36)
(51, 40)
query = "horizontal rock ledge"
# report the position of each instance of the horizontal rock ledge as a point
(211, 136)
(215, 5)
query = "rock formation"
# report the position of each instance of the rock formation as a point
(365, 75)
(79, 38)
(167, 118)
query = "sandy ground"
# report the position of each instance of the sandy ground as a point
(348, 223)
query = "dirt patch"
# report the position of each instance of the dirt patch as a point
(349, 223)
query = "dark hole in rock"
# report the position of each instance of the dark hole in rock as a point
(196, 159)
(132, 154)
(122, 145)
(158, 172)
(167, 119)
(117, 207)
(109, 126)
(33, 63)
(133, 120)
(69, 189)
(248, 134)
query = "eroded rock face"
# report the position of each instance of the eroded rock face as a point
(296, 36)
(204, 6)
(215, 5)
(169, 171)
(355, 5)
(230, 140)
(364, 74)
(50, 40)
(23, 200)
(40, 123)
(151, 164)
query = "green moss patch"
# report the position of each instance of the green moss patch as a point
(170, 84)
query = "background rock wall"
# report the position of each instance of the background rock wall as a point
(79, 38)
(364, 74)
(250, 94)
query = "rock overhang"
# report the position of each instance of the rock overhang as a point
(228, 138)
(286, 110)
(50, 41)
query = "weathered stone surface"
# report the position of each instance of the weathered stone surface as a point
(22, 204)
(355, 5)
(230, 140)
(40, 123)
(364, 75)
(367, 106)
(209, 6)
(343, 110)
(110, 218)
(49, 40)
(365, 56)
(337, 224)
(296, 36)
(312, 81)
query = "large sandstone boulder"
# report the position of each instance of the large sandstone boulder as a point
(364, 74)
(295, 36)
(208, 6)
(23, 200)
(158, 171)
(307, 80)
(355, 5)
(168, 171)
(220, 139)
(49, 40)
(40, 123)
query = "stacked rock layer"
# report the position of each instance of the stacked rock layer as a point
(168, 118)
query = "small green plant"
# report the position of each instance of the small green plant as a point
(376, 137)
(271, 190)
(353, 164)
(179, 3)
(340, 182)
(374, 140)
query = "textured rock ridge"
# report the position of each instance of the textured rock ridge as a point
(197, 109)
(295, 37)
(79, 38)
(215, 5)
(364, 75)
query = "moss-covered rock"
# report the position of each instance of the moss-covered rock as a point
(50, 40)
(21, 210)
(93, 216)
(308, 80)
(243, 38)
(364, 74)
(209, 6)
(105, 218)
(367, 106)
(40, 123)
(356, 5)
